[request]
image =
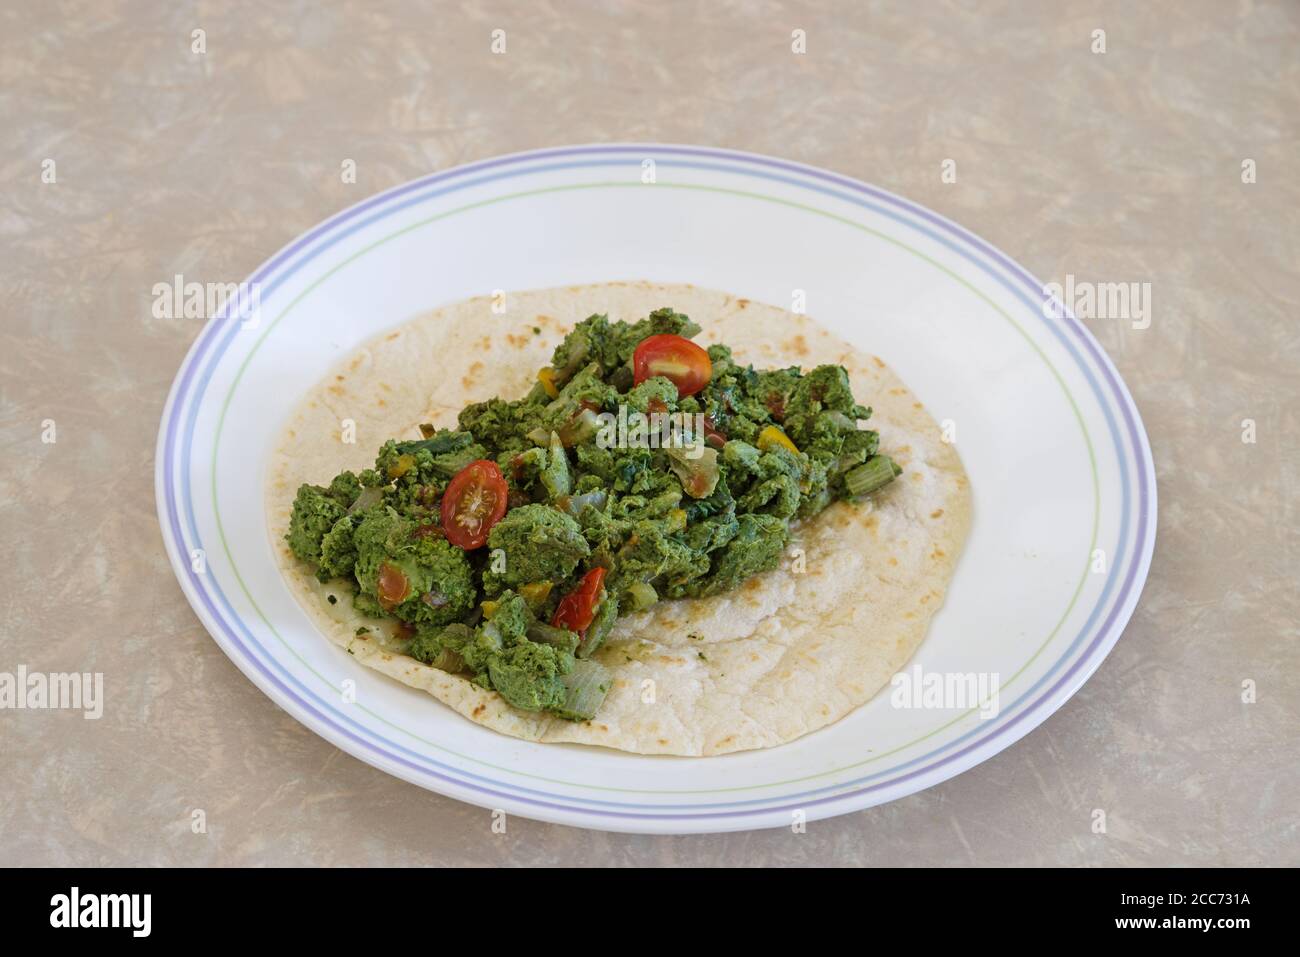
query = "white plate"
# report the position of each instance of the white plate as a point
(1064, 512)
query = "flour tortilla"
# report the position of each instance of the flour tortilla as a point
(788, 652)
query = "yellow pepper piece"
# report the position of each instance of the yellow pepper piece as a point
(546, 377)
(536, 592)
(676, 520)
(403, 465)
(771, 437)
(490, 609)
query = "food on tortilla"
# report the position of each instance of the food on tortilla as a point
(639, 467)
(745, 660)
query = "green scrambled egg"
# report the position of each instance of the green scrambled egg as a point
(652, 522)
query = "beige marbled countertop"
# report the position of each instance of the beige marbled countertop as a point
(1124, 165)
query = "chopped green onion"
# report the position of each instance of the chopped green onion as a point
(871, 475)
(545, 634)
(555, 474)
(440, 443)
(600, 627)
(642, 594)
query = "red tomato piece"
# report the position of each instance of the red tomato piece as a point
(392, 586)
(674, 358)
(577, 609)
(712, 434)
(474, 502)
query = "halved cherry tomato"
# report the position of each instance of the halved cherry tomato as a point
(577, 609)
(474, 502)
(676, 359)
(392, 586)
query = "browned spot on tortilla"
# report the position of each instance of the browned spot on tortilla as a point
(938, 553)
(898, 392)
(664, 742)
(517, 341)
(893, 560)
(798, 345)
(936, 513)
(469, 380)
(485, 343)
(391, 336)
(336, 390)
(909, 614)
(479, 709)
(876, 360)
(742, 303)
(339, 378)
(904, 449)
(917, 405)
(753, 657)
(381, 402)
(356, 363)
(386, 387)
(924, 599)
(917, 477)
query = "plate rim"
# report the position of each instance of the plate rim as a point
(945, 767)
